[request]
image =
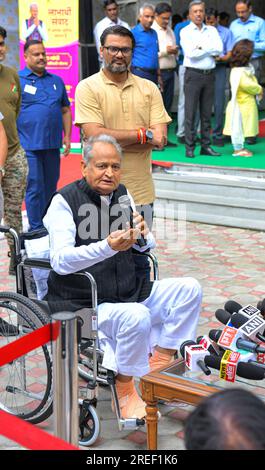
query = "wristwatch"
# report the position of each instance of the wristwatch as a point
(149, 135)
(2, 170)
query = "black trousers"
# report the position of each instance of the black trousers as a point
(199, 94)
(168, 77)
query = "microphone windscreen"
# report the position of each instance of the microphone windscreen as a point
(232, 306)
(214, 335)
(247, 370)
(222, 316)
(189, 342)
(244, 369)
(261, 306)
(238, 320)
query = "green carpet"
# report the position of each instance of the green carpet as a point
(177, 155)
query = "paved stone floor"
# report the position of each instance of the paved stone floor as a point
(229, 263)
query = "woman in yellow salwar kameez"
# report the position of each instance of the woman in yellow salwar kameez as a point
(242, 112)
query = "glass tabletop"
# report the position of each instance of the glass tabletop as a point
(213, 380)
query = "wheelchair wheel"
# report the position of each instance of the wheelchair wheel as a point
(26, 382)
(89, 428)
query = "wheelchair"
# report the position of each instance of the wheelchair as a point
(26, 384)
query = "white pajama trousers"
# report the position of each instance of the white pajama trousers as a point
(128, 332)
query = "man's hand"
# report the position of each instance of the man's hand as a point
(172, 49)
(67, 146)
(123, 240)
(159, 139)
(36, 21)
(140, 224)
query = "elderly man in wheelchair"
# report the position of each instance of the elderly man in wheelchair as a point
(93, 228)
(141, 324)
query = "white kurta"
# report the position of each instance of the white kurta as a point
(127, 331)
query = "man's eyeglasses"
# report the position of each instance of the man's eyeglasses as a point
(2, 43)
(112, 50)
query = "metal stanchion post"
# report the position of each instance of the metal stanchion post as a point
(65, 378)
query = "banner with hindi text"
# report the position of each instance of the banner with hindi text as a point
(56, 23)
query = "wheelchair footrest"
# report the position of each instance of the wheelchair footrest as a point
(131, 423)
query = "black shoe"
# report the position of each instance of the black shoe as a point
(209, 151)
(181, 139)
(218, 142)
(171, 144)
(251, 140)
(190, 153)
(6, 329)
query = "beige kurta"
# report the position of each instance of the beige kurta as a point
(137, 104)
(246, 98)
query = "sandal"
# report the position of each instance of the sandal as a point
(242, 153)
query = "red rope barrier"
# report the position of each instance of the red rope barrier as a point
(30, 436)
(28, 343)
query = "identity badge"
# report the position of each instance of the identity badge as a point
(30, 89)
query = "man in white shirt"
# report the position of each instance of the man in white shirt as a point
(111, 19)
(136, 318)
(200, 44)
(167, 51)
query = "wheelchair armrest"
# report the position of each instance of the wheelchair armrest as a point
(4, 229)
(42, 232)
(153, 260)
(40, 263)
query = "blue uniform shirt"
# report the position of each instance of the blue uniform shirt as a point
(254, 30)
(227, 39)
(177, 29)
(145, 53)
(40, 122)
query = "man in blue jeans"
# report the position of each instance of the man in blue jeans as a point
(45, 114)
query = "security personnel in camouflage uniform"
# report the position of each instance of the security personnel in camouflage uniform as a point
(16, 168)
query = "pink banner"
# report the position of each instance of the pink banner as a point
(63, 61)
(56, 23)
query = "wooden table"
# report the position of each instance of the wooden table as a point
(158, 386)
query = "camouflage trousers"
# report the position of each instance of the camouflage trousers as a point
(1, 204)
(14, 187)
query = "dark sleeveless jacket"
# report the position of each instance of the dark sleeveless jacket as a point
(115, 276)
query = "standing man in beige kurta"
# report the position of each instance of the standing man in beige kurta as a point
(129, 108)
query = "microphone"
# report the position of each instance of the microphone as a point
(248, 311)
(261, 306)
(251, 328)
(244, 369)
(240, 343)
(223, 316)
(232, 306)
(125, 203)
(194, 355)
(206, 342)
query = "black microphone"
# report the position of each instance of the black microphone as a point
(241, 343)
(249, 326)
(125, 204)
(222, 316)
(248, 310)
(261, 306)
(232, 307)
(244, 369)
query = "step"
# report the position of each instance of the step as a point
(213, 198)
